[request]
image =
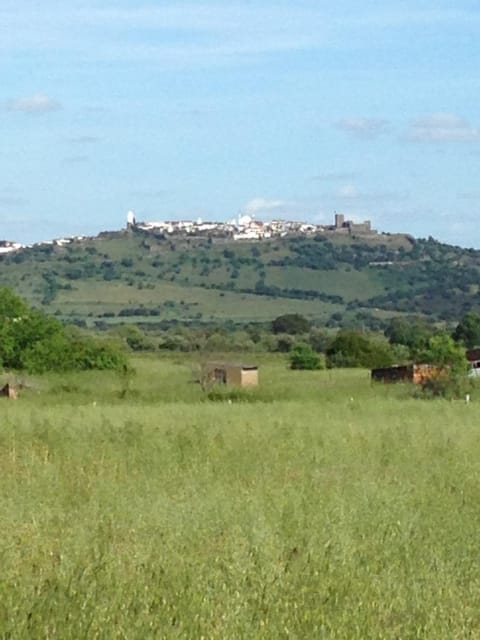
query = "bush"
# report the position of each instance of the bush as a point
(284, 343)
(352, 349)
(38, 343)
(410, 332)
(98, 354)
(318, 340)
(60, 353)
(304, 357)
(451, 361)
(136, 338)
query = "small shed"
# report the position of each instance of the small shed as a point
(416, 373)
(473, 356)
(232, 374)
(393, 374)
(9, 391)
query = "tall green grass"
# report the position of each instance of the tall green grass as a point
(321, 508)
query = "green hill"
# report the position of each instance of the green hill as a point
(332, 279)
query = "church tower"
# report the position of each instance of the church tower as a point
(131, 220)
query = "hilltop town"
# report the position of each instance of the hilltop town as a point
(248, 228)
(242, 228)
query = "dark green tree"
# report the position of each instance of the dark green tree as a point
(292, 323)
(411, 332)
(467, 330)
(353, 349)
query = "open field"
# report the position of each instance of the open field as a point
(315, 507)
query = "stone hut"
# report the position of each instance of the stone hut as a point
(231, 374)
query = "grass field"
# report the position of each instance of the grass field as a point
(317, 506)
(98, 297)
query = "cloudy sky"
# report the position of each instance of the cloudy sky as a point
(208, 109)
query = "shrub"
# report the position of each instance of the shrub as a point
(284, 343)
(98, 354)
(136, 338)
(304, 357)
(318, 340)
(410, 332)
(450, 358)
(38, 343)
(352, 349)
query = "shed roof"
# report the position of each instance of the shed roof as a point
(473, 354)
(238, 365)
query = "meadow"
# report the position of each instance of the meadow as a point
(318, 506)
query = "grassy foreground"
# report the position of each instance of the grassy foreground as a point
(321, 507)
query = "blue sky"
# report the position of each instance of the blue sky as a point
(208, 109)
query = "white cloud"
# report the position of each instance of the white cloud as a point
(38, 103)
(262, 206)
(301, 209)
(442, 127)
(363, 128)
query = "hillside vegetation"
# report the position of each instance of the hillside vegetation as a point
(148, 278)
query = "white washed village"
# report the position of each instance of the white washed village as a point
(244, 227)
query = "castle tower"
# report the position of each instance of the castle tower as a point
(339, 220)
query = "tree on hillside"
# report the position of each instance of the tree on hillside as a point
(292, 323)
(468, 330)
